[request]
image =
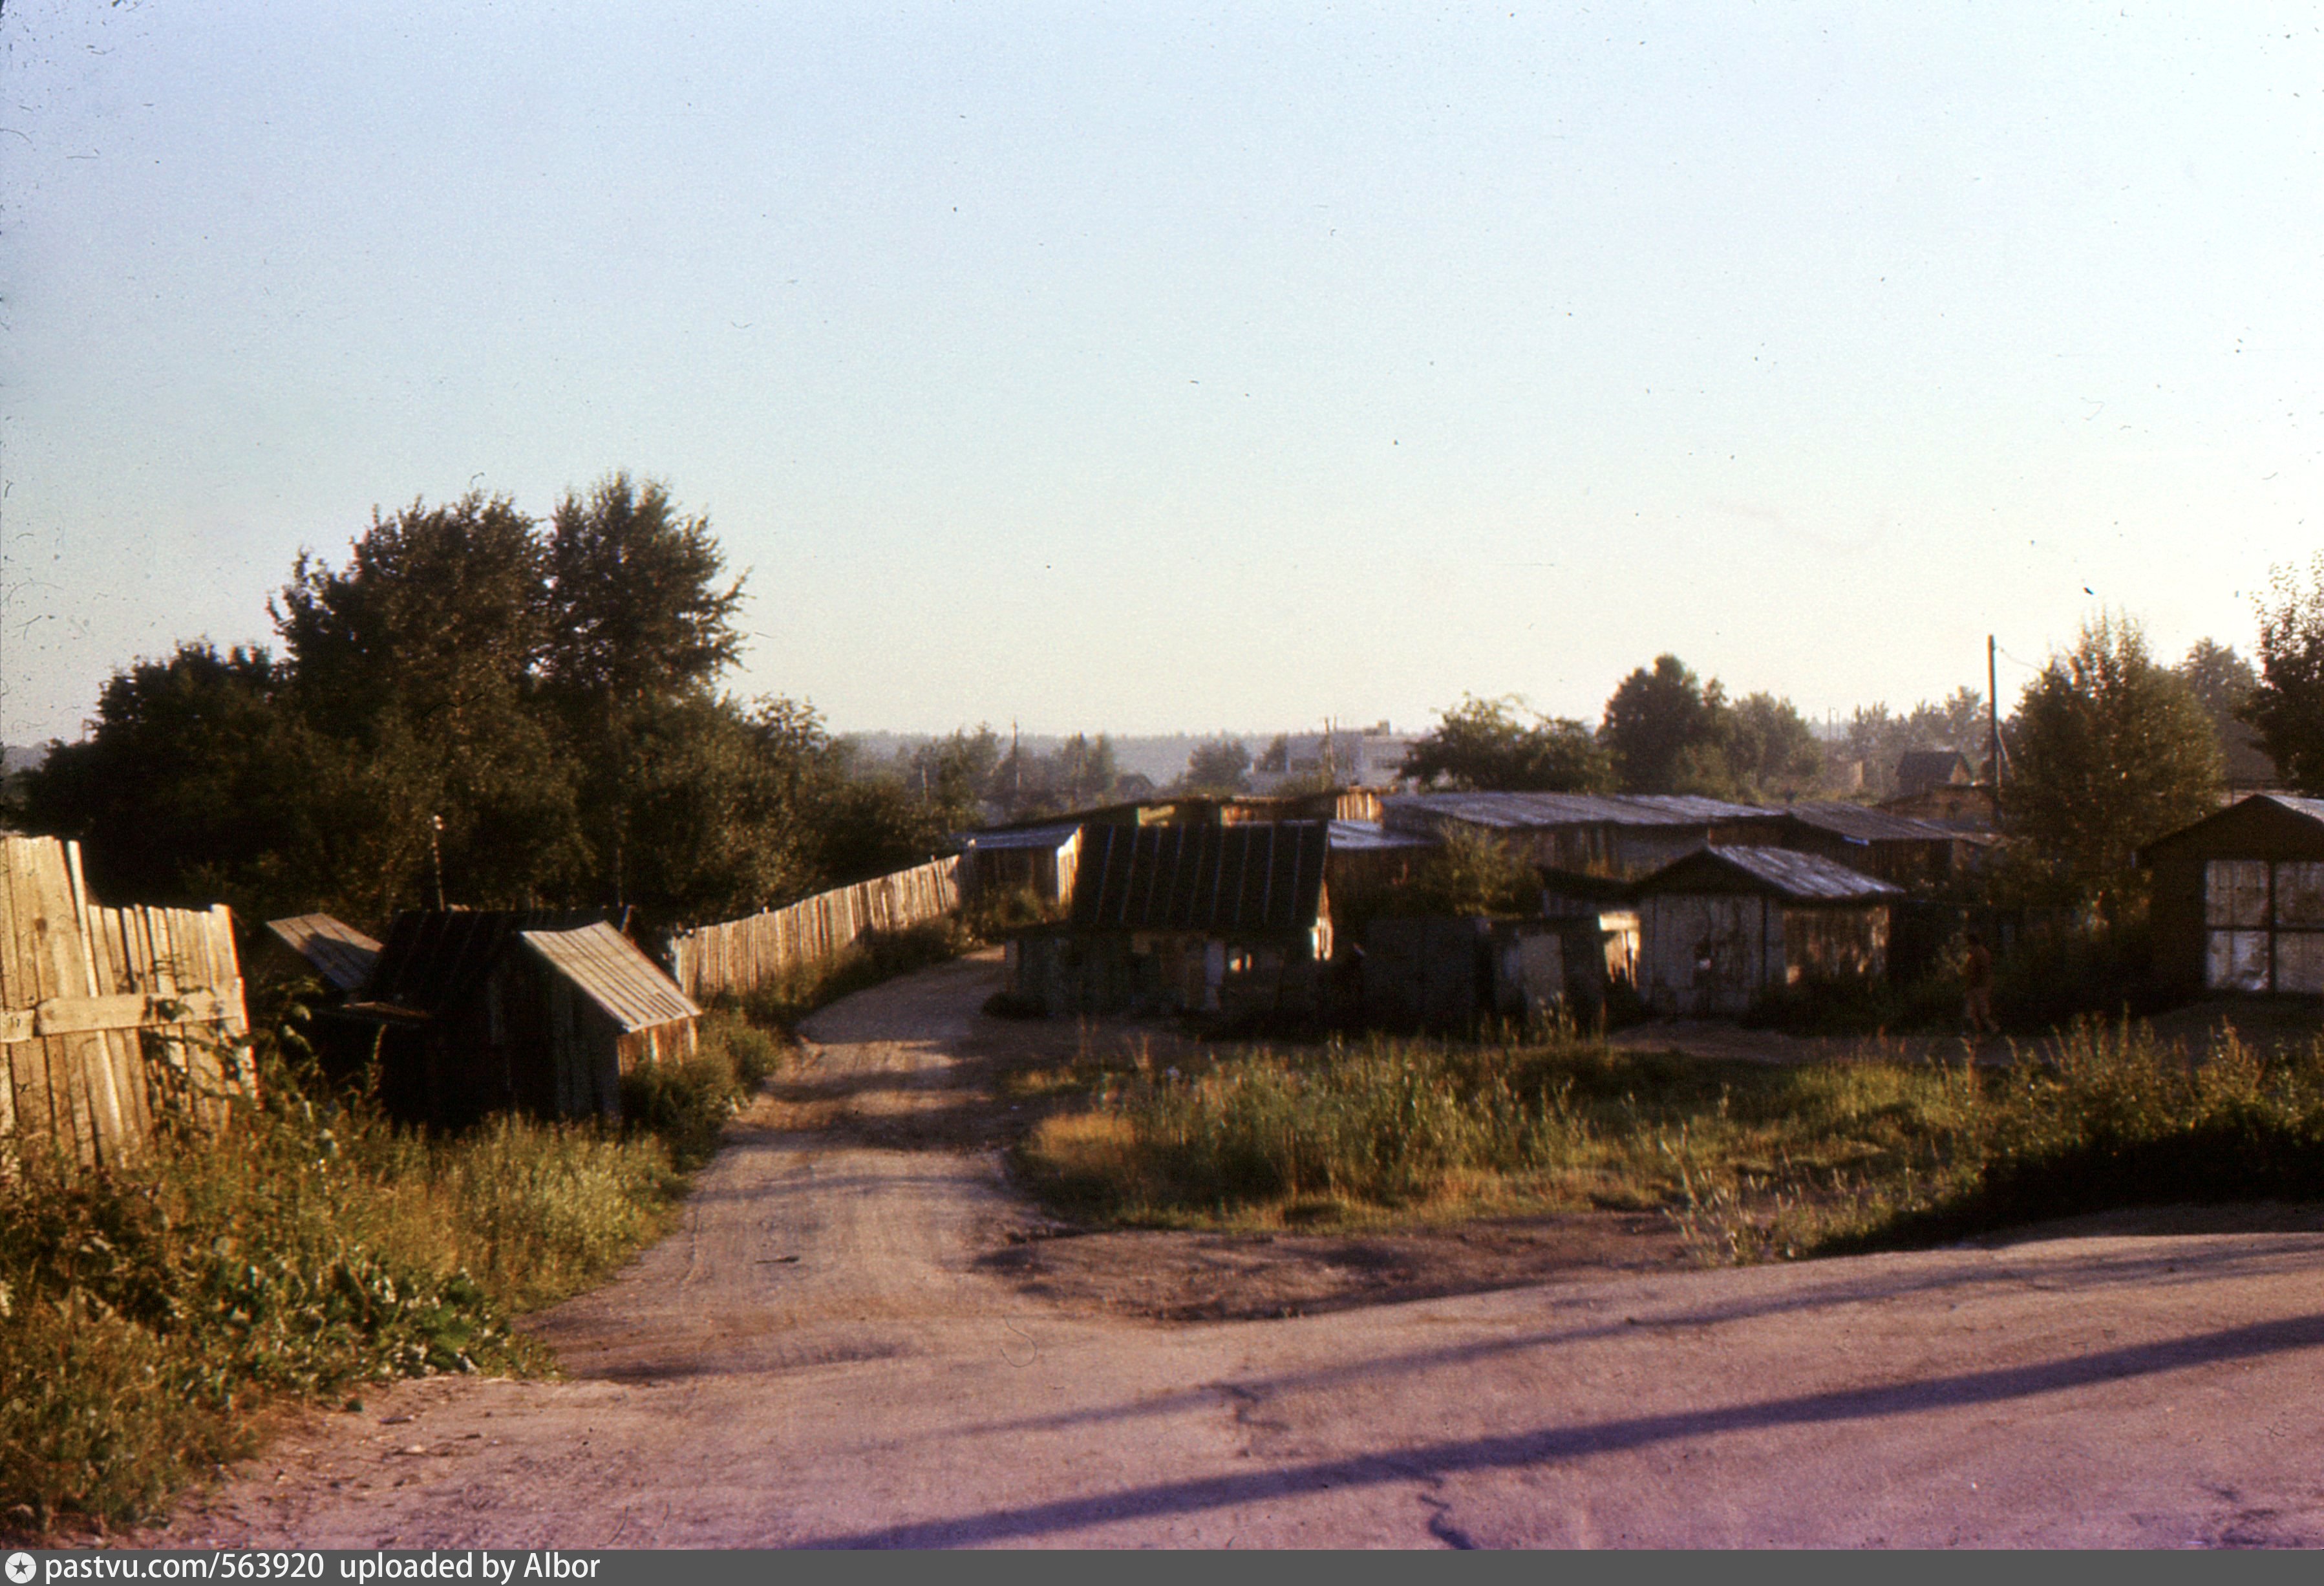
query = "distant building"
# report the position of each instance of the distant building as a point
(1358, 757)
(1921, 769)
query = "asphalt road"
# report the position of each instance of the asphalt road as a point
(813, 1359)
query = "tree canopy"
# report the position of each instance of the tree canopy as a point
(2287, 707)
(1218, 765)
(549, 694)
(1483, 745)
(1665, 732)
(2107, 750)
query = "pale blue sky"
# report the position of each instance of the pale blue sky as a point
(1152, 367)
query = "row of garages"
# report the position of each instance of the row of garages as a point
(1237, 919)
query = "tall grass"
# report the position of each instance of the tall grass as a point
(881, 956)
(1754, 1161)
(148, 1316)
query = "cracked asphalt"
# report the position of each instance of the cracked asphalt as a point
(814, 1359)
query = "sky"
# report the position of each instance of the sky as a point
(1153, 367)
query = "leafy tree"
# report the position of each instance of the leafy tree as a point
(954, 776)
(1666, 731)
(1481, 745)
(2287, 707)
(637, 611)
(1469, 874)
(1770, 748)
(182, 781)
(1276, 759)
(1218, 765)
(2224, 684)
(2108, 750)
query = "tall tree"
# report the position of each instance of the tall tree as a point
(2224, 684)
(2109, 750)
(1666, 731)
(639, 628)
(1770, 748)
(1483, 745)
(639, 612)
(2288, 705)
(421, 656)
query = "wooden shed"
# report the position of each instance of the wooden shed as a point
(1721, 928)
(1185, 919)
(1038, 860)
(2239, 899)
(540, 1011)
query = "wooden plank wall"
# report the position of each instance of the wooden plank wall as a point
(745, 953)
(111, 1020)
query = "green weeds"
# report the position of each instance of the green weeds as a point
(1754, 1161)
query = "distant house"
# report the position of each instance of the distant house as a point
(1921, 770)
(538, 1012)
(1621, 835)
(1721, 928)
(1185, 919)
(2239, 899)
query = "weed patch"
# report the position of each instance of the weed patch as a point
(1753, 1162)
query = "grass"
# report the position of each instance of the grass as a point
(1754, 1162)
(151, 1317)
(881, 956)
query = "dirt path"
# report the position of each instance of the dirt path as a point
(825, 1353)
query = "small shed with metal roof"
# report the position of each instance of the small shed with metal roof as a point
(540, 1011)
(2237, 902)
(1722, 928)
(1185, 919)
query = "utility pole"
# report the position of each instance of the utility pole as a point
(1993, 723)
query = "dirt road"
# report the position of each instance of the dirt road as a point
(822, 1355)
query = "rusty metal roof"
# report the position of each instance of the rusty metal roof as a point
(434, 958)
(607, 968)
(341, 954)
(1533, 811)
(1804, 878)
(1261, 877)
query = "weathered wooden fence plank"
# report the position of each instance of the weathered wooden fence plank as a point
(742, 955)
(110, 1019)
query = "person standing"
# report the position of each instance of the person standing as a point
(1977, 983)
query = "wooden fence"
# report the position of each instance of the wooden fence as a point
(111, 1020)
(745, 953)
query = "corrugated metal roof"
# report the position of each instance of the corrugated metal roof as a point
(1054, 836)
(2313, 808)
(340, 954)
(1874, 825)
(1809, 878)
(1519, 811)
(434, 958)
(607, 968)
(1262, 876)
(1370, 836)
